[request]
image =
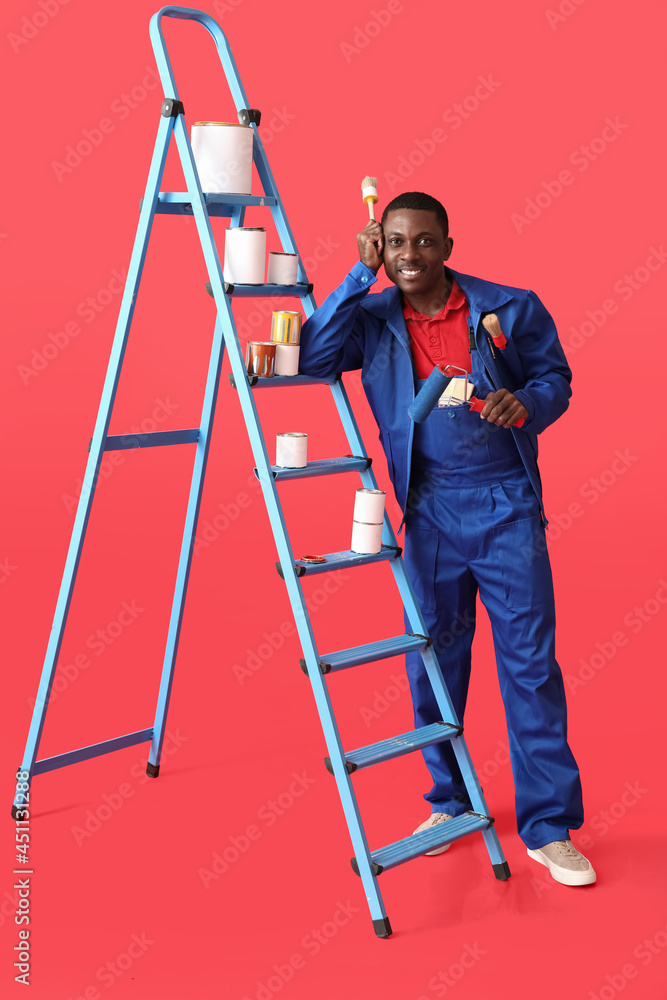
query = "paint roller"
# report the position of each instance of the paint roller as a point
(459, 391)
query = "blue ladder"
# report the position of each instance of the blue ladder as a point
(366, 863)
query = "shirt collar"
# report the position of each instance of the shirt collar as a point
(455, 301)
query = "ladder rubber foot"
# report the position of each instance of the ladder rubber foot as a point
(502, 871)
(152, 770)
(382, 927)
(16, 811)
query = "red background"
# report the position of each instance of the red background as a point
(345, 90)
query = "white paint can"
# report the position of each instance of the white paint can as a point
(366, 538)
(291, 450)
(369, 506)
(287, 359)
(283, 268)
(245, 255)
(223, 155)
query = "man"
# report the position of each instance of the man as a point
(471, 494)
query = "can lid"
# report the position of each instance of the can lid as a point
(281, 253)
(245, 229)
(313, 559)
(226, 124)
(292, 434)
(364, 490)
(261, 343)
(286, 312)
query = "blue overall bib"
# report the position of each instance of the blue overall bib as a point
(474, 524)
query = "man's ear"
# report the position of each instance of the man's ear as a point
(449, 244)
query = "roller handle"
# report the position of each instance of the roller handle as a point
(478, 405)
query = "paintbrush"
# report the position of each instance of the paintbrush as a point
(491, 324)
(369, 194)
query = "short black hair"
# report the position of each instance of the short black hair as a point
(419, 202)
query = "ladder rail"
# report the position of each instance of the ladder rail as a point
(96, 455)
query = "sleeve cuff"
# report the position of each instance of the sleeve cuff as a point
(363, 275)
(524, 397)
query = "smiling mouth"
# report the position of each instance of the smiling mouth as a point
(411, 271)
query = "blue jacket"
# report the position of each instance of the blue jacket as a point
(352, 329)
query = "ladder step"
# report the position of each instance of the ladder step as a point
(119, 442)
(94, 750)
(421, 843)
(356, 655)
(346, 558)
(278, 381)
(180, 202)
(397, 746)
(322, 467)
(299, 291)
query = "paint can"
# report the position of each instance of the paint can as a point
(283, 269)
(245, 255)
(287, 359)
(223, 155)
(366, 538)
(291, 450)
(367, 523)
(260, 358)
(286, 327)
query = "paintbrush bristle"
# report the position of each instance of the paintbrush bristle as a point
(492, 325)
(369, 182)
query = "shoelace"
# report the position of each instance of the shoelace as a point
(567, 848)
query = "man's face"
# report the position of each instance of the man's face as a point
(414, 250)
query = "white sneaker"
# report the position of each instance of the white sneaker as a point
(565, 863)
(433, 820)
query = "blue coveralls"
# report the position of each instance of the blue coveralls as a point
(471, 496)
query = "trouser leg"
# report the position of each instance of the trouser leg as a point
(446, 592)
(515, 586)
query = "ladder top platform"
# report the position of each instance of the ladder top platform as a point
(179, 202)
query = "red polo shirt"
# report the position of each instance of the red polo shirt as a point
(441, 339)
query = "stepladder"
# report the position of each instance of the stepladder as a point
(204, 208)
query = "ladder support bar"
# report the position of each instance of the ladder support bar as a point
(94, 750)
(156, 439)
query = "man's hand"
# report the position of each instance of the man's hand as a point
(371, 245)
(503, 408)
